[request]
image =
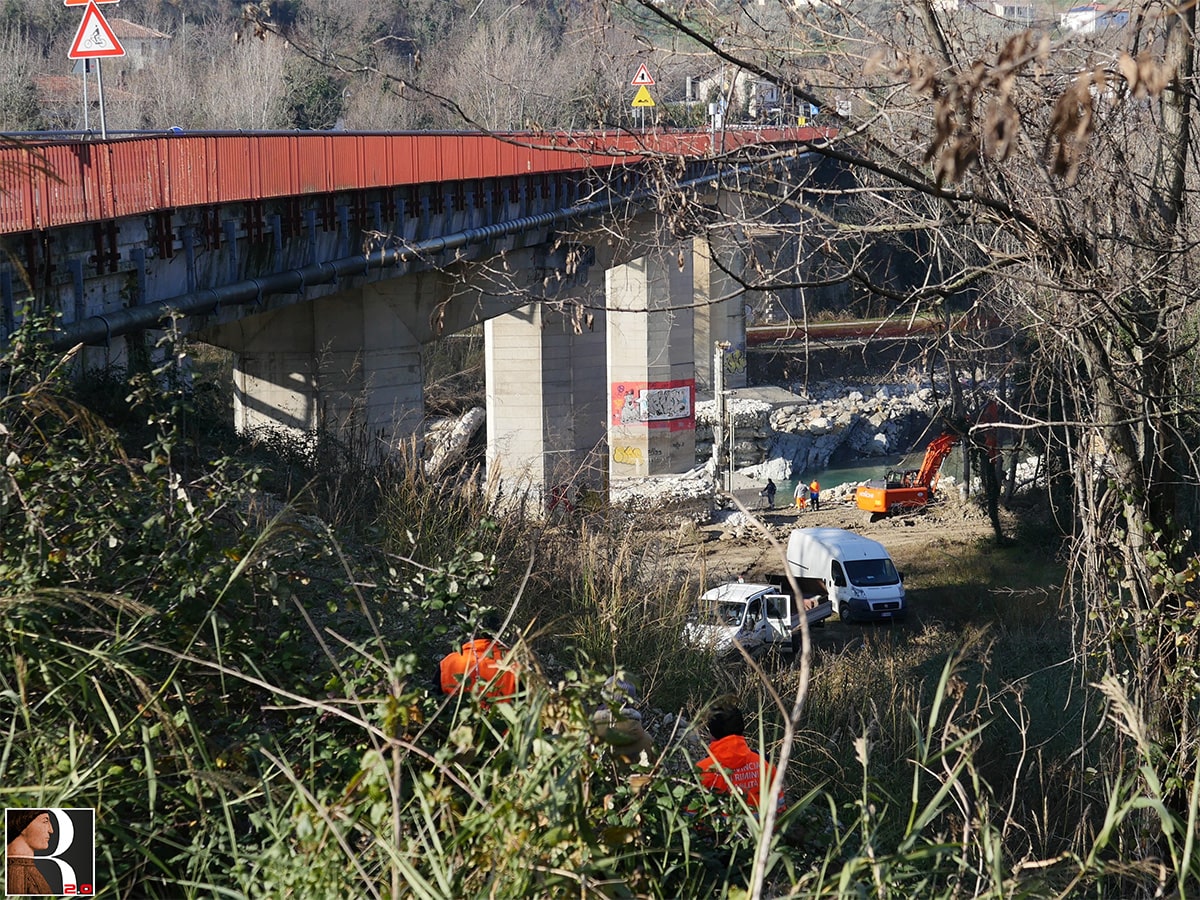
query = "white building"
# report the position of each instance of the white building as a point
(1092, 18)
(141, 44)
(1020, 13)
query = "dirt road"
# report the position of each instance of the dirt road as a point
(929, 549)
(918, 542)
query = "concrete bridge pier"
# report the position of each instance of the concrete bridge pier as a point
(545, 402)
(720, 315)
(651, 365)
(349, 363)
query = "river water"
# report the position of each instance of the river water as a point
(853, 472)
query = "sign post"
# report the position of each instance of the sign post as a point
(642, 99)
(83, 67)
(94, 40)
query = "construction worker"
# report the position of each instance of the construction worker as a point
(731, 764)
(484, 667)
(800, 495)
(814, 495)
(768, 493)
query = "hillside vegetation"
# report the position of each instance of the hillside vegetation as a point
(317, 64)
(228, 649)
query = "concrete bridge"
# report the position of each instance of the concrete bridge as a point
(325, 261)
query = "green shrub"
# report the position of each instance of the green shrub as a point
(246, 697)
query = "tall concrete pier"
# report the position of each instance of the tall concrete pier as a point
(651, 366)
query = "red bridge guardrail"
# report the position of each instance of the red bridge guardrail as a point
(46, 184)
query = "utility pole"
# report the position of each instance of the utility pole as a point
(732, 446)
(87, 67)
(718, 381)
(100, 97)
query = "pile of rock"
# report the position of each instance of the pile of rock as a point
(778, 440)
(446, 440)
(782, 441)
(684, 497)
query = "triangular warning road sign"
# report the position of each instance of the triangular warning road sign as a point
(95, 39)
(642, 77)
(642, 97)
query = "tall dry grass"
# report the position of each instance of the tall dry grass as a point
(250, 709)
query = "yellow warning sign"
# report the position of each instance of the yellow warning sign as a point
(643, 98)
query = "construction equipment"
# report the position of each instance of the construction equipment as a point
(906, 489)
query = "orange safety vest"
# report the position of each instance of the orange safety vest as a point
(732, 764)
(814, 487)
(480, 667)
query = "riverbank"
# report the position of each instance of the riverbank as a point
(773, 432)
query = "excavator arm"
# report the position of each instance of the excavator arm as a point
(888, 496)
(939, 448)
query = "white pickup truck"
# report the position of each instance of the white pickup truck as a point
(754, 616)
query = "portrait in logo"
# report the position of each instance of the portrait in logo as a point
(50, 851)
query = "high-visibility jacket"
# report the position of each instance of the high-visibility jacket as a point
(815, 487)
(732, 764)
(480, 667)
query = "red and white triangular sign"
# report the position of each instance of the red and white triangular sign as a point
(85, 2)
(643, 76)
(95, 39)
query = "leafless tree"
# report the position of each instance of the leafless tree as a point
(1041, 179)
(1047, 176)
(18, 65)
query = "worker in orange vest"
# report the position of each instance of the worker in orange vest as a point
(483, 666)
(731, 764)
(814, 494)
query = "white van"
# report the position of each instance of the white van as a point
(854, 572)
(754, 616)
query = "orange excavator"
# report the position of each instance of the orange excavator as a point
(906, 489)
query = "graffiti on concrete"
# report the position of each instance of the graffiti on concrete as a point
(657, 404)
(629, 456)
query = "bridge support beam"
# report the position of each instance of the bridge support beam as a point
(651, 365)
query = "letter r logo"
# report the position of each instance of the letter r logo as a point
(70, 847)
(64, 828)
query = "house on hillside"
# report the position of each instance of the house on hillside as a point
(1092, 18)
(723, 84)
(1013, 12)
(1020, 13)
(141, 44)
(60, 100)
(737, 93)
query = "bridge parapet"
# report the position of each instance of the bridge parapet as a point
(48, 184)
